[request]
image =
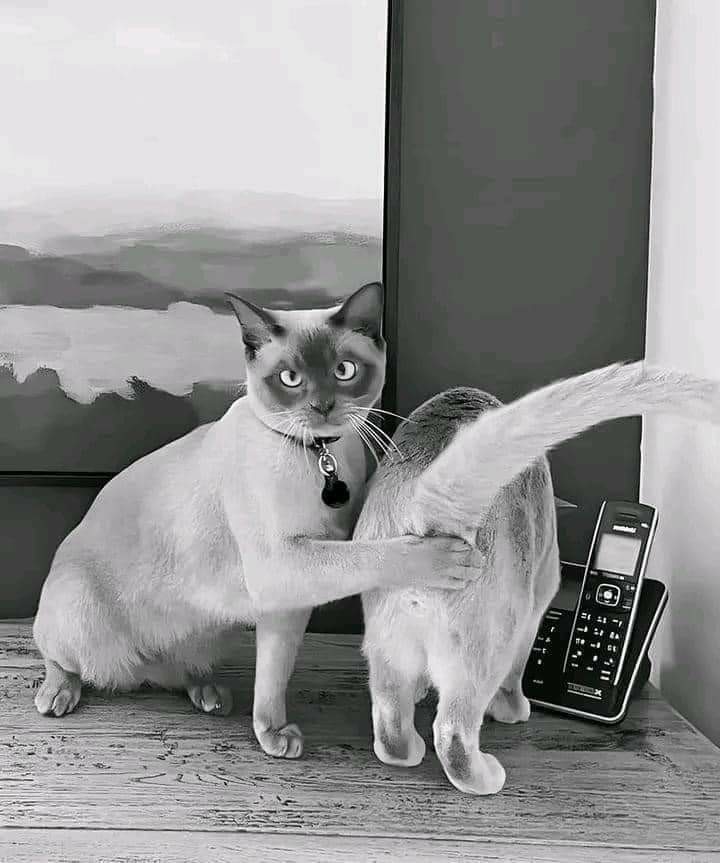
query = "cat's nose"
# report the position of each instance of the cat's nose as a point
(323, 406)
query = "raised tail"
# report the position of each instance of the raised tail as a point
(488, 453)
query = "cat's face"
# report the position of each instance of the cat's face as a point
(313, 372)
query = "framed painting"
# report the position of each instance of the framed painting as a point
(154, 156)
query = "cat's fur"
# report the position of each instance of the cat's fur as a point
(477, 470)
(225, 528)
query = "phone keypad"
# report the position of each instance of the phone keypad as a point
(597, 644)
(548, 635)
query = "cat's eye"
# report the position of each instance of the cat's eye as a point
(346, 370)
(290, 378)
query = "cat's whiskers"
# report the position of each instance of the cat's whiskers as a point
(298, 434)
(291, 436)
(292, 439)
(387, 413)
(387, 453)
(367, 431)
(380, 436)
(287, 429)
(304, 446)
(283, 422)
(370, 435)
(355, 423)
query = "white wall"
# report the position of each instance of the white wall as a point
(681, 460)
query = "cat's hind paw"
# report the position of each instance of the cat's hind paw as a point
(286, 742)
(474, 772)
(211, 698)
(406, 752)
(509, 706)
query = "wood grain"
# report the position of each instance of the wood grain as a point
(156, 774)
(163, 846)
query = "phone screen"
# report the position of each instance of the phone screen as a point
(617, 553)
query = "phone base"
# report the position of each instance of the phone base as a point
(547, 687)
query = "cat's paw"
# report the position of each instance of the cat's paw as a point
(58, 696)
(470, 770)
(442, 562)
(407, 752)
(481, 774)
(211, 698)
(286, 742)
(509, 706)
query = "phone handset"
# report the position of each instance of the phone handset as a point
(609, 596)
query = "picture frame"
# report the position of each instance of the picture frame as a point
(391, 191)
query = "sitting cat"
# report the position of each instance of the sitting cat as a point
(472, 468)
(226, 527)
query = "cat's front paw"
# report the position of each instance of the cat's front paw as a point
(285, 742)
(443, 562)
(211, 698)
(59, 694)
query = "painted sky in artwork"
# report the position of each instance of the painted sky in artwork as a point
(156, 155)
(275, 97)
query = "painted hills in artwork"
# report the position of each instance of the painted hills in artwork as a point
(115, 341)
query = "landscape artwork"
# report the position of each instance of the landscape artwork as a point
(153, 157)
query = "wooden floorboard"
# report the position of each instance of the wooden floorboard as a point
(162, 846)
(144, 777)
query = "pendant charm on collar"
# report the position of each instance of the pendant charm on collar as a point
(335, 493)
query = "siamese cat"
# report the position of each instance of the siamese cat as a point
(231, 526)
(472, 468)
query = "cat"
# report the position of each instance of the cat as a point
(472, 468)
(225, 528)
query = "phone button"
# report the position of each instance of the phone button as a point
(608, 594)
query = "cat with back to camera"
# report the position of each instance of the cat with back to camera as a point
(465, 465)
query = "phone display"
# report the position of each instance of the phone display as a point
(617, 554)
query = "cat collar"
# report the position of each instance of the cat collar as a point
(335, 492)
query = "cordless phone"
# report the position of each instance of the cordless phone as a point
(588, 655)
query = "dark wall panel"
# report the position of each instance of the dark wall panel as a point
(524, 186)
(524, 209)
(34, 520)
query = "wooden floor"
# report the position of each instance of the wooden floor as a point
(144, 777)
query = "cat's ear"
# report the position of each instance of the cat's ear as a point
(258, 325)
(362, 311)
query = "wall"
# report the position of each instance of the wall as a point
(523, 219)
(524, 212)
(681, 461)
(34, 521)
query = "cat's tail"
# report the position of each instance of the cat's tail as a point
(488, 453)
